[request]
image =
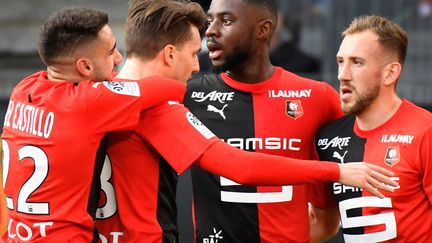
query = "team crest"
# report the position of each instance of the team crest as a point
(294, 109)
(392, 156)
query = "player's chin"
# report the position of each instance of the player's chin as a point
(348, 108)
(219, 66)
(217, 62)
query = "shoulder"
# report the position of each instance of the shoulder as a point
(344, 123)
(416, 120)
(305, 82)
(416, 111)
(204, 80)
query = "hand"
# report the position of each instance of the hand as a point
(367, 176)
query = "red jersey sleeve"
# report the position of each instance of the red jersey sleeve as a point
(113, 106)
(320, 194)
(252, 168)
(175, 133)
(333, 100)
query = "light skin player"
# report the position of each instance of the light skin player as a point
(384, 129)
(54, 124)
(162, 38)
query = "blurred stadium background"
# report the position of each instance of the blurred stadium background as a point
(312, 27)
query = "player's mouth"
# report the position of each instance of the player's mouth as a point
(345, 92)
(215, 51)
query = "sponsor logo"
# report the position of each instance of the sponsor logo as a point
(19, 231)
(294, 109)
(270, 143)
(339, 188)
(340, 157)
(199, 126)
(221, 97)
(290, 93)
(214, 238)
(219, 111)
(123, 88)
(397, 138)
(336, 142)
(392, 156)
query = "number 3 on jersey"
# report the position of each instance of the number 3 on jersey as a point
(39, 175)
(110, 206)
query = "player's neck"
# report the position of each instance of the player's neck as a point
(135, 68)
(379, 112)
(63, 74)
(252, 71)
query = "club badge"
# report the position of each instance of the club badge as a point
(294, 109)
(392, 156)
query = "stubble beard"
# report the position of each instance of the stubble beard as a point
(361, 101)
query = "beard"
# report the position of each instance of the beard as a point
(241, 52)
(232, 61)
(362, 101)
(100, 76)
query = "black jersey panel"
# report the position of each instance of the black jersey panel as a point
(343, 146)
(217, 106)
(167, 210)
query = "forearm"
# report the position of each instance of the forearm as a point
(264, 169)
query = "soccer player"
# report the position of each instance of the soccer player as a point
(55, 122)
(255, 106)
(384, 129)
(140, 175)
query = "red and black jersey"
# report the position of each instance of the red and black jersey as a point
(51, 134)
(278, 116)
(402, 145)
(139, 180)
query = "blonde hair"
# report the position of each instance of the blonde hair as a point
(391, 35)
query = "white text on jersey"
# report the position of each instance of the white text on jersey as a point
(213, 96)
(290, 93)
(335, 142)
(340, 188)
(24, 232)
(114, 237)
(29, 119)
(270, 143)
(397, 138)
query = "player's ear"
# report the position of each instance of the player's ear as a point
(265, 28)
(169, 54)
(392, 73)
(84, 67)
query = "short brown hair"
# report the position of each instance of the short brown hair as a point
(153, 24)
(391, 35)
(67, 29)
